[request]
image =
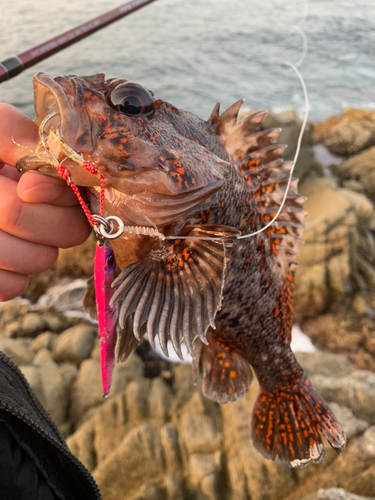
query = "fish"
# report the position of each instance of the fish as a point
(201, 186)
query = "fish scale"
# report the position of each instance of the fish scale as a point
(202, 184)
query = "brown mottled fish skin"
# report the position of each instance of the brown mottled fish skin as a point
(228, 299)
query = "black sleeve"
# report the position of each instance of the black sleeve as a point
(20, 478)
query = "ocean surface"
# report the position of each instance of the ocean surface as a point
(194, 53)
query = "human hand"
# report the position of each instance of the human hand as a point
(38, 214)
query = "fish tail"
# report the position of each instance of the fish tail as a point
(287, 422)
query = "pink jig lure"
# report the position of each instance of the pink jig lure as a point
(104, 274)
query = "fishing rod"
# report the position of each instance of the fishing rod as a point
(13, 66)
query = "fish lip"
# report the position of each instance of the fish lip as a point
(51, 97)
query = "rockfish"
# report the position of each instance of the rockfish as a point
(202, 184)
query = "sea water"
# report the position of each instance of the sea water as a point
(194, 53)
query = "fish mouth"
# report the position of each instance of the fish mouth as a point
(71, 116)
(59, 110)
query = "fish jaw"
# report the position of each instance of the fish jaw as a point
(104, 273)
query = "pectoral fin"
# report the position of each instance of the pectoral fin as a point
(175, 293)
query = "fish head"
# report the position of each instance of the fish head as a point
(158, 162)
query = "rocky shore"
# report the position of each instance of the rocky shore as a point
(156, 437)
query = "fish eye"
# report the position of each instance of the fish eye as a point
(132, 100)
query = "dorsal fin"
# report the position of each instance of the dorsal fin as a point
(259, 159)
(243, 129)
(228, 119)
(215, 113)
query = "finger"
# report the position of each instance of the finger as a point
(26, 257)
(11, 285)
(10, 172)
(37, 188)
(41, 223)
(16, 127)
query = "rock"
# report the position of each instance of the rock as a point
(32, 324)
(355, 391)
(198, 449)
(353, 426)
(65, 296)
(325, 364)
(55, 322)
(34, 378)
(124, 373)
(11, 311)
(174, 488)
(16, 350)
(199, 433)
(205, 472)
(160, 399)
(137, 393)
(336, 256)
(290, 124)
(82, 444)
(360, 169)
(48, 384)
(138, 459)
(347, 134)
(75, 344)
(335, 494)
(68, 372)
(86, 390)
(45, 340)
(344, 330)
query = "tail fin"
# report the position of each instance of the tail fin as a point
(287, 423)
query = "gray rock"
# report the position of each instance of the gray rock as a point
(75, 344)
(16, 350)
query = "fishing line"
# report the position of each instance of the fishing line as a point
(300, 137)
(294, 67)
(303, 127)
